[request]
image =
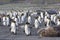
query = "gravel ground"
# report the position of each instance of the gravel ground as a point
(30, 6)
(6, 35)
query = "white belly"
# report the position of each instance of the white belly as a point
(27, 30)
(58, 23)
(16, 20)
(41, 14)
(36, 24)
(22, 19)
(7, 21)
(29, 19)
(4, 21)
(52, 17)
(39, 19)
(13, 27)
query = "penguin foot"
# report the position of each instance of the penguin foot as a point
(23, 31)
(28, 34)
(30, 27)
(13, 33)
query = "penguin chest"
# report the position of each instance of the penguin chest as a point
(7, 20)
(27, 30)
(39, 19)
(29, 19)
(45, 19)
(3, 18)
(23, 18)
(36, 23)
(16, 21)
(41, 15)
(52, 17)
(13, 26)
(18, 18)
(4, 21)
(58, 23)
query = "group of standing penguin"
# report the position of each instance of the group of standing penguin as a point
(30, 19)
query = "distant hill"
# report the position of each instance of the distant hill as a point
(31, 1)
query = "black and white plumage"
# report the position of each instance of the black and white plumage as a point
(24, 18)
(7, 21)
(41, 13)
(36, 23)
(29, 19)
(39, 19)
(13, 27)
(19, 19)
(14, 14)
(4, 20)
(16, 21)
(58, 21)
(27, 29)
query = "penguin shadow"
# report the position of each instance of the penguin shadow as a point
(1, 24)
(20, 31)
(34, 32)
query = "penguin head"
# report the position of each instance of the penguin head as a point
(38, 13)
(27, 23)
(16, 16)
(7, 15)
(12, 21)
(59, 19)
(12, 17)
(36, 17)
(48, 18)
(29, 14)
(22, 14)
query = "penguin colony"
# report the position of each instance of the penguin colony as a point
(47, 22)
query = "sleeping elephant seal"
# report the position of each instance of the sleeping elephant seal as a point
(48, 32)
